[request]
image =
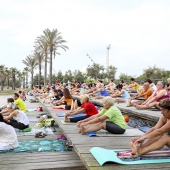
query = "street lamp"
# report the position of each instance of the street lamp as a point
(107, 56)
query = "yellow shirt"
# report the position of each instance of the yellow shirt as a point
(136, 87)
(20, 104)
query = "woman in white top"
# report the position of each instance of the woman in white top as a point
(151, 85)
(8, 137)
(17, 118)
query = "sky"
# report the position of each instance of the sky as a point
(138, 32)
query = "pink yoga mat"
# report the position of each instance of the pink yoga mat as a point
(57, 109)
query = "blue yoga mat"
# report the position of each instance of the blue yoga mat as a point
(77, 115)
(105, 155)
(144, 128)
(90, 134)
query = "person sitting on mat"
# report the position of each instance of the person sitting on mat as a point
(120, 93)
(158, 136)
(87, 108)
(8, 137)
(19, 102)
(155, 98)
(17, 118)
(4, 109)
(109, 118)
(65, 101)
(145, 94)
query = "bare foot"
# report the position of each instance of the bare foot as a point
(66, 119)
(138, 107)
(132, 147)
(82, 129)
(138, 151)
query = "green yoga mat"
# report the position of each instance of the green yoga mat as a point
(39, 146)
(105, 155)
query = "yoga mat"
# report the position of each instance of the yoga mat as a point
(39, 146)
(144, 128)
(128, 132)
(57, 109)
(91, 134)
(32, 119)
(105, 155)
(77, 115)
(47, 130)
(31, 109)
(68, 123)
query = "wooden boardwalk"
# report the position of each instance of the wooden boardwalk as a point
(40, 160)
(82, 143)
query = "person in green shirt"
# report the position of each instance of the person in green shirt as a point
(109, 118)
(19, 102)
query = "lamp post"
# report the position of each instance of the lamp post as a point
(107, 56)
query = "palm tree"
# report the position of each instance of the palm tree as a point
(54, 41)
(23, 78)
(8, 76)
(26, 70)
(13, 72)
(2, 76)
(42, 46)
(40, 58)
(31, 63)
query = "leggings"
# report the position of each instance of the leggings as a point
(18, 125)
(76, 119)
(113, 128)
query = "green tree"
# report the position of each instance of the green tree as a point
(26, 70)
(35, 79)
(13, 72)
(31, 63)
(68, 76)
(55, 41)
(42, 46)
(125, 77)
(60, 76)
(154, 73)
(111, 72)
(40, 59)
(79, 76)
(95, 71)
(8, 76)
(2, 76)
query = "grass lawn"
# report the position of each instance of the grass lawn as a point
(11, 92)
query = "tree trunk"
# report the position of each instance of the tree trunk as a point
(23, 82)
(51, 58)
(45, 71)
(32, 74)
(8, 82)
(39, 76)
(26, 79)
(2, 85)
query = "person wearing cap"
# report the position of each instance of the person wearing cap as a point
(19, 102)
(8, 137)
(17, 118)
